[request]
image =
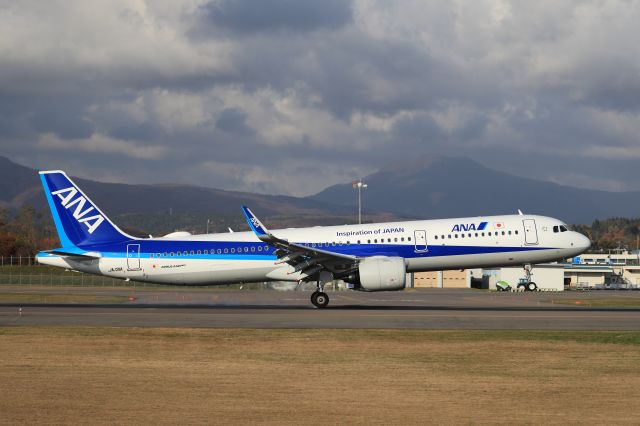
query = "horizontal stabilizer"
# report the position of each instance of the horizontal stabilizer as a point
(73, 253)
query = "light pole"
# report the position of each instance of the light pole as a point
(359, 185)
(207, 226)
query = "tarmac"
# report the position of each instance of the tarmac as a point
(444, 309)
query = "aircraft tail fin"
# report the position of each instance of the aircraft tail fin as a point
(78, 220)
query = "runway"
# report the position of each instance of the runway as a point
(416, 309)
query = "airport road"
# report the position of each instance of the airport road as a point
(417, 309)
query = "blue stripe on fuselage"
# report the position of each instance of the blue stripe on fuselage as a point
(250, 250)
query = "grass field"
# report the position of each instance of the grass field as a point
(186, 376)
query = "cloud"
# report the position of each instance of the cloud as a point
(246, 16)
(289, 96)
(101, 144)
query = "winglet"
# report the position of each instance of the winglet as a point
(255, 224)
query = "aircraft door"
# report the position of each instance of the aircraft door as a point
(133, 257)
(420, 240)
(530, 231)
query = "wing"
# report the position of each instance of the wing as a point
(304, 259)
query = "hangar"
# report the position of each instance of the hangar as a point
(548, 277)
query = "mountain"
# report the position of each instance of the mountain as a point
(21, 185)
(423, 188)
(457, 186)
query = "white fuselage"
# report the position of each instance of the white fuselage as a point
(241, 257)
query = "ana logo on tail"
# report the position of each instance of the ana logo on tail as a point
(68, 199)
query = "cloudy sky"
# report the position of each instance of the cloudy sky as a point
(290, 96)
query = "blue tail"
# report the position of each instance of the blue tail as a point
(79, 222)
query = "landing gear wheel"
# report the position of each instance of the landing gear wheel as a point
(532, 286)
(320, 299)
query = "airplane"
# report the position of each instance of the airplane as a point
(367, 257)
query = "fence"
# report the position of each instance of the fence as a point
(26, 271)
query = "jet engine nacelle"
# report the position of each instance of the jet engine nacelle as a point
(382, 273)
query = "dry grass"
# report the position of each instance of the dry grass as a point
(191, 376)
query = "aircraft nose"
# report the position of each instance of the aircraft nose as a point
(582, 242)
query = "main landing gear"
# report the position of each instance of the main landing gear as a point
(320, 299)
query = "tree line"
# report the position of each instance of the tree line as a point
(25, 232)
(612, 233)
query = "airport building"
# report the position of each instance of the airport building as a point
(548, 277)
(604, 270)
(588, 271)
(442, 279)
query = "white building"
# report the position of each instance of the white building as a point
(591, 270)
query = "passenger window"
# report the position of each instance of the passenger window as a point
(165, 254)
(233, 250)
(402, 239)
(489, 233)
(482, 234)
(409, 239)
(516, 232)
(192, 252)
(171, 254)
(509, 232)
(436, 237)
(476, 235)
(502, 232)
(461, 235)
(375, 241)
(449, 236)
(153, 255)
(206, 251)
(456, 235)
(253, 249)
(246, 249)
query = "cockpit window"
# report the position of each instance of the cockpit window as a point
(556, 228)
(563, 228)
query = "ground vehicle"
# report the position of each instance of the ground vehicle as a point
(503, 286)
(527, 284)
